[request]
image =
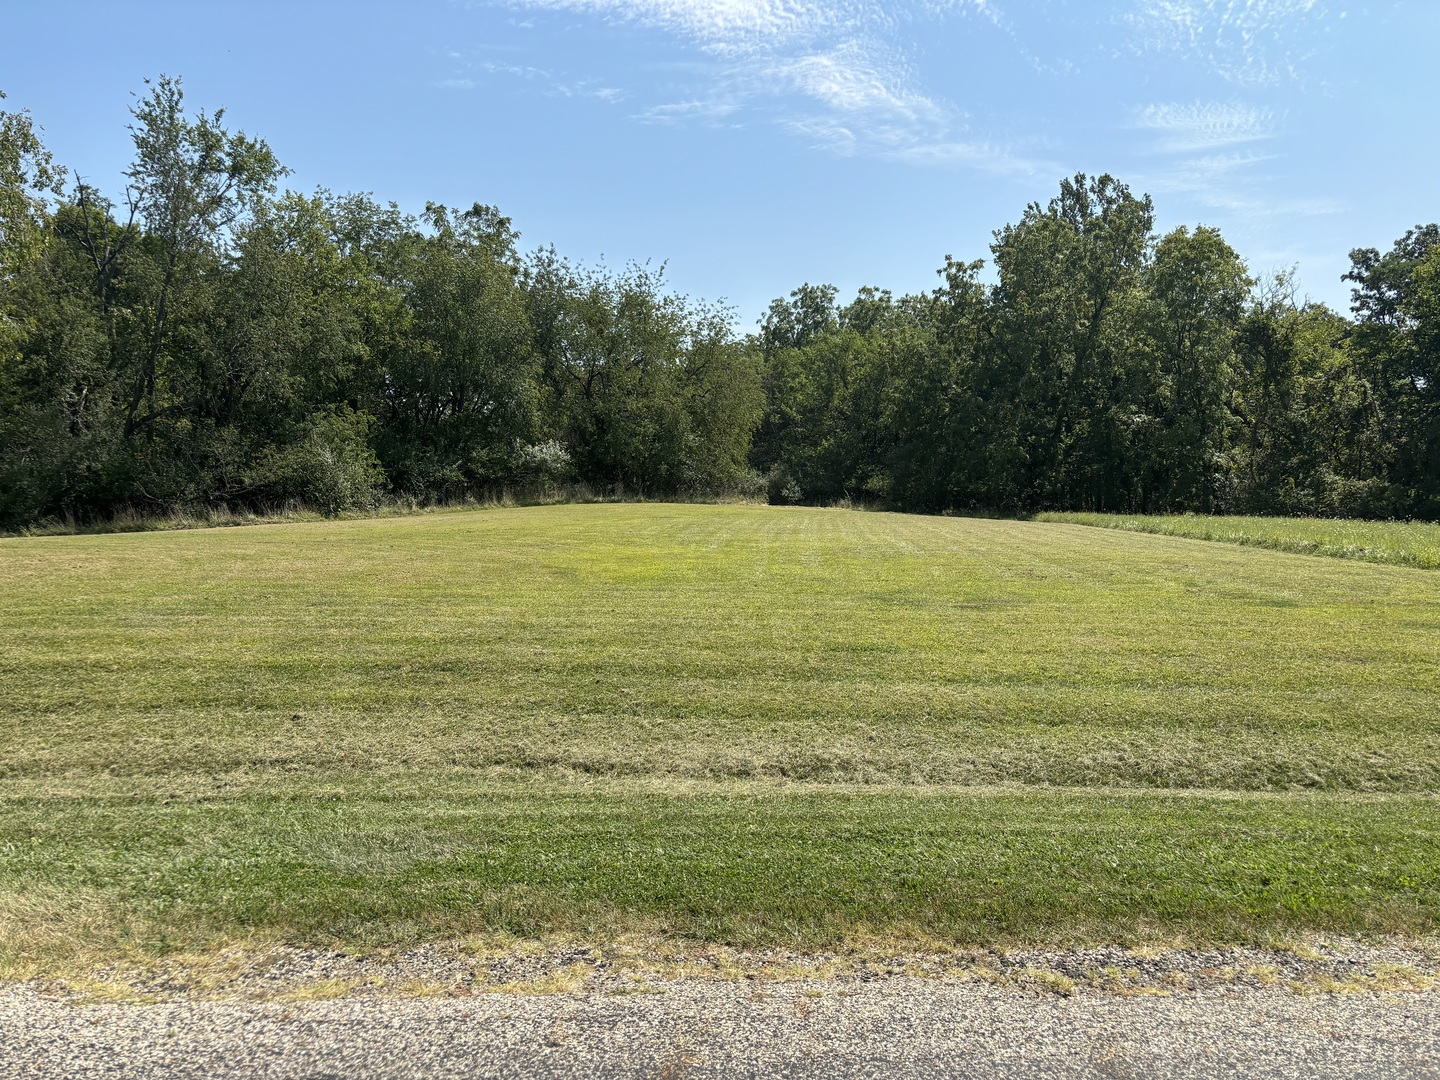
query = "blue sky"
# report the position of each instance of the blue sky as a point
(758, 144)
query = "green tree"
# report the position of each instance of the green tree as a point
(458, 393)
(643, 387)
(1197, 291)
(1397, 350)
(29, 178)
(52, 374)
(943, 396)
(191, 183)
(1306, 438)
(1059, 425)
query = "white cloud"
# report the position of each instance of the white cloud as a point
(722, 26)
(865, 102)
(1213, 160)
(553, 83)
(731, 27)
(679, 112)
(1244, 41)
(1227, 182)
(984, 156)
(520, 71)
(851, 79)
(1205, 126)
(824, 70)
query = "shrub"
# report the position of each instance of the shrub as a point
(331, 467)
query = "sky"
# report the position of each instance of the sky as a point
(754, 145)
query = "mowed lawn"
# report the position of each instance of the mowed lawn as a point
(742, 724)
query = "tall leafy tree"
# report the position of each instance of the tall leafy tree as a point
(643, 387)
(1397, 347)
(29, 179)
(191, 182)
(943, 401)
(1197, 290)
(458, 398)
(1071, 281)
(47, 342)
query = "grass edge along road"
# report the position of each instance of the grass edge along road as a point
(1394, 543)
(376, 864)
(284, 733)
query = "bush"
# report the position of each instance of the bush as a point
(752, 486)
(783, 489)
(545, 464)
(331, 467)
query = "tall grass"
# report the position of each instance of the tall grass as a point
(1396, 543)
(129, 519)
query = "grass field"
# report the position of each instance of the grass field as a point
(1397, 543)
(747, 725)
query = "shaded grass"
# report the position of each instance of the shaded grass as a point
(1398, 543)
(722, 723)
(127, 519)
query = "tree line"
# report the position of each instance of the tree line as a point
(1109, 369)
(208, 338)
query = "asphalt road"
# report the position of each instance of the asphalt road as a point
(891, 1027)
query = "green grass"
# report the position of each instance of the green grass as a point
(1398, 543)
(395, 862)
(736, 724)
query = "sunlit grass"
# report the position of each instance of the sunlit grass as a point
(392, 862)
(1399, 543)
(738, 724)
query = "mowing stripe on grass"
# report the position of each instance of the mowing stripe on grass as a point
(722, 723)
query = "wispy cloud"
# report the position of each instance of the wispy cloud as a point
(827, 71)
(521, 71)
(553, 83)
(1244, 41)
(1205, 126)
(853, 79)
(682, 112)
(727, 27)
(1203, 144)
(1227, 182)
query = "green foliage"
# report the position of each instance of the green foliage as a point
(176, 353)
(28, 177)
(459, 385)
(1397, 342)
(1197, 288)
(1108, 369)
(832, 377)
(214, 344)
(1064, 323)
(330, 467)
(647, 389)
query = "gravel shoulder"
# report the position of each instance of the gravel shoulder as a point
(1329, 1010)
